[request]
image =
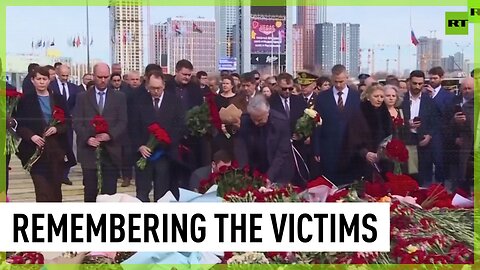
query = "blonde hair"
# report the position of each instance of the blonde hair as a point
(399, 100)
(372, 88)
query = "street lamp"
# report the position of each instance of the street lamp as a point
(88, 38)
(388, 61)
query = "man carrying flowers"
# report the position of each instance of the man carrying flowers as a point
(96, 109)
(160, 125)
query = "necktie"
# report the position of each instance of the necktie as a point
(100, 102)
(287, 108)
(340, 101)
(64, 92)
(157, 101)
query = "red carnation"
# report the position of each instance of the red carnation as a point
(376, 189)
(320, 181)
(58, 114)
(214, 115)
(401, 184)
(13, 94)
(397, 150)
(100, 124)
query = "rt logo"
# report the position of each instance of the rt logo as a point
(456, 23)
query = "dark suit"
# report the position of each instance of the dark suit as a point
(276, 139)
(127, 148)
(330, 139)
(72, 95)
(161, 172)
(27, 85)
(115, 113)
(310, 101)
(81, 88)
(429, 117)
(190, 95)
(441, 138)
(466, 133)
(297, 107)
(47, 172)
(198, 175)
(72, 92)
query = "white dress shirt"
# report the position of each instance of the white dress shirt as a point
(436, 90)
(414, 109)
(344, 95)
(97, 96)
(61, 87)
(159, 102)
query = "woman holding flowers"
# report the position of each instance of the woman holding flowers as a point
(41, 125)
(373, 127)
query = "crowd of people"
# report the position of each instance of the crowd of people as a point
(436, 125)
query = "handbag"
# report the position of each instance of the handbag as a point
(412, 163)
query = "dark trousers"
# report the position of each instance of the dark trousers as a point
(160, 174)
(7, 158)
(127, 162)
(90, 181)
(438, 148)
(425, 161)
(47, 174)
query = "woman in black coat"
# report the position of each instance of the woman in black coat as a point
(368, 131)
(34, 115)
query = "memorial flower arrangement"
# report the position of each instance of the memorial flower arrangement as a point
(201, 119)
(306, 124)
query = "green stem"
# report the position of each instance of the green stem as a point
(98, 153)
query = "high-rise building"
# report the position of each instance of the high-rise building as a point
(448, 63)
(297, 48)
(338, 44)
(324, 47)
(226, 18)
(182, 38)
(429, 53)
(307, 17)
(459, 62)
(126, 34)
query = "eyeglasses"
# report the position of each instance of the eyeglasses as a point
(287, 88)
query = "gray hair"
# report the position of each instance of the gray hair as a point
(399, 101)
(258, 104)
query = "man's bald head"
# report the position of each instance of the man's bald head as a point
(101, 74)
(467, 88)
(63, 73)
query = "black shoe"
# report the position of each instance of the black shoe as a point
(67, 182)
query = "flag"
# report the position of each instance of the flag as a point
(177, 30)
(43, 44)
(413, 38)
(343, 45)
(73, 42)
(33, 44)
(197, 29)
(39, 43)
(52, 43)
(91, 41)
(78, 42)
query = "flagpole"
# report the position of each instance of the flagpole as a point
(88, 39)
(271, 56)
(279, 47)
